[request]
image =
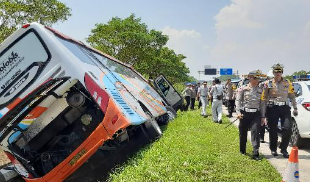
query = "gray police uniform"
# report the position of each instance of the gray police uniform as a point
(203, 94)
(193, 98)
(229, 98)
(249, 104)
(217, 90)
(187, 92)
(275, 96)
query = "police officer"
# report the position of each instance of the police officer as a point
(198, 97)
(276, 94)
(203, 95)
(193, 97)
(229, 97)
(248, 106)
(217, 94)
(187, 92)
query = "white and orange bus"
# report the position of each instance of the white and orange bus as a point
(60, 101)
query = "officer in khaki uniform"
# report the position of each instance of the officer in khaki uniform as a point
(248, 107)
(276, 93)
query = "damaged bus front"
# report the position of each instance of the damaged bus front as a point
(60, 101)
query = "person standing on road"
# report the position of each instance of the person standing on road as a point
(187, 92)
(217, 94)
(276, 94)
(203, 95)
(193, 97)
(248, 106)
(230, 97)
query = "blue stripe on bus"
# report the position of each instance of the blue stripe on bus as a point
(146, 87)
(17, 133)
(132, 115)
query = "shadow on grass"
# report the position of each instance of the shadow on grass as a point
(102, 163)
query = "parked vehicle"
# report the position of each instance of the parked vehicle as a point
(61, 101)
(301, 123)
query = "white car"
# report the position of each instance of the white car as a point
(301, 123)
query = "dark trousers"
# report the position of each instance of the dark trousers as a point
(231, 106)
(199, 103)
(262, 132)
(274, 113)
(249, 120)
(193, 103)
(188, 101)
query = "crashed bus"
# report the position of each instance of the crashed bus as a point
(61, 101)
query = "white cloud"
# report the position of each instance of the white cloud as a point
(254, 34)
(240, 11)
(179, 34)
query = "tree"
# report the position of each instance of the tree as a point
(14, 13)
(167, 63)
(130, 41)
(302, 72)
(297, 73)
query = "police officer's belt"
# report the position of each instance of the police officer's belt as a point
(250, 110)
(276, 103)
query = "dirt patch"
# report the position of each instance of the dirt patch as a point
(3, 158)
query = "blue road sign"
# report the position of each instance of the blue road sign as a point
(226, 71)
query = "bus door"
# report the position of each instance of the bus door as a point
(168, 91)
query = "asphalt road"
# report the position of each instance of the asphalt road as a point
(279, 162)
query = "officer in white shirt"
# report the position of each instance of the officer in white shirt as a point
(203, 95)
(217, 94)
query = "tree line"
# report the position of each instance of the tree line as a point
(128, 40)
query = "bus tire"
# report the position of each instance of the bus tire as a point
(151, 129)
(172, 114)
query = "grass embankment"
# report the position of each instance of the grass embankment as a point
(195, 149)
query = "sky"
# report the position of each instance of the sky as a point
(244, 35)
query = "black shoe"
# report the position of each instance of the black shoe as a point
(262, 141)
(285, 154)
(205, 116)
(274, 153)
(241, 152)
(256, 155)
(220, 121)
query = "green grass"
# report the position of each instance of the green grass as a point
(195, 149)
